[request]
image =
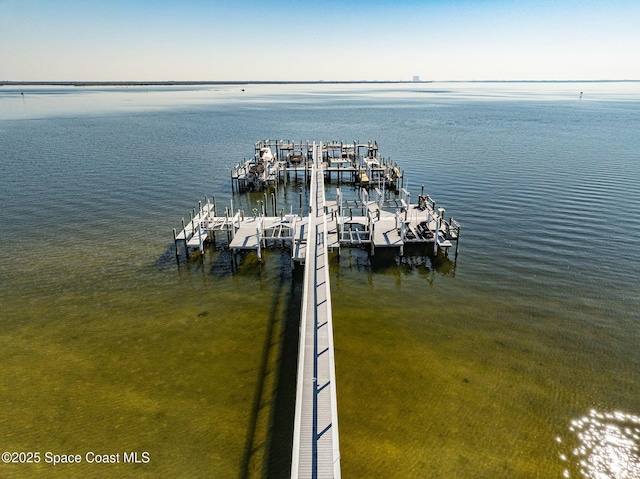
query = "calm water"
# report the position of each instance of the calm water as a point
(519, 360)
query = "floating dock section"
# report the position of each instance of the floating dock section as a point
(374, 219)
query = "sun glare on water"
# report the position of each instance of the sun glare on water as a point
(605, 445)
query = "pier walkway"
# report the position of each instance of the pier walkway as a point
(316, 452)
(375, 218)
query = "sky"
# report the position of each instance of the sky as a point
(330, 40)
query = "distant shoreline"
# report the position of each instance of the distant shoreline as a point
(313, 82)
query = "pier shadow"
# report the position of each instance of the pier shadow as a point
(443, 264)
(422, 258)
(278, 460)
(269, 438)
(167, 259)
(387, 261)
(222, 265)
(217, 261)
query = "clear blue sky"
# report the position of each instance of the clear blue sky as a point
(123, 40)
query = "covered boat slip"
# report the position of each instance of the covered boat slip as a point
(276, 161)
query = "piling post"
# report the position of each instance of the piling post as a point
(259, 243)
(273, 203)
(371, 238)
(435, 236)
(307, 173)
(301, 202)
(175, 244)
(200, 243)
(184, 234)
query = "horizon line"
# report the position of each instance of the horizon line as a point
(280, 82)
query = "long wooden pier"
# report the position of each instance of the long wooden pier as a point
(375, 219)
(316, 450)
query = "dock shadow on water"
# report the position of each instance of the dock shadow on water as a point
(268, 441)
(418, 258)
(269, 438)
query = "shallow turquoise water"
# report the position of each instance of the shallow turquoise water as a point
(473, 369)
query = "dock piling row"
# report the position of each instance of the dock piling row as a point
(380, 219)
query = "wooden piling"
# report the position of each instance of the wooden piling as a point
(435, 236)
(301, 202)
(175, 243)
